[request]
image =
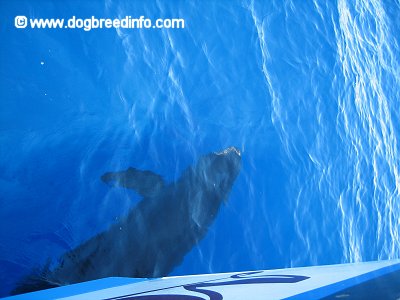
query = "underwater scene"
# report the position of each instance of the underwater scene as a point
(154, 138)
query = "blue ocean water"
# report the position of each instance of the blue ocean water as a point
(308, 90)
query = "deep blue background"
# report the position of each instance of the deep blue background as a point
(307, 90)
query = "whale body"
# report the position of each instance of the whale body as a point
(157, 233)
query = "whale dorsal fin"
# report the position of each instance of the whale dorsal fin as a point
(145, 183)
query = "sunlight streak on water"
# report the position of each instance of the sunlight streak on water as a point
(363, 196)
(368, 63)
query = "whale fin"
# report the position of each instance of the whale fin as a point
(145, 183)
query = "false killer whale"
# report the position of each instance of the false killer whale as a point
(156, 234)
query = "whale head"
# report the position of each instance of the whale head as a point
(209, 185)
(216, 173)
